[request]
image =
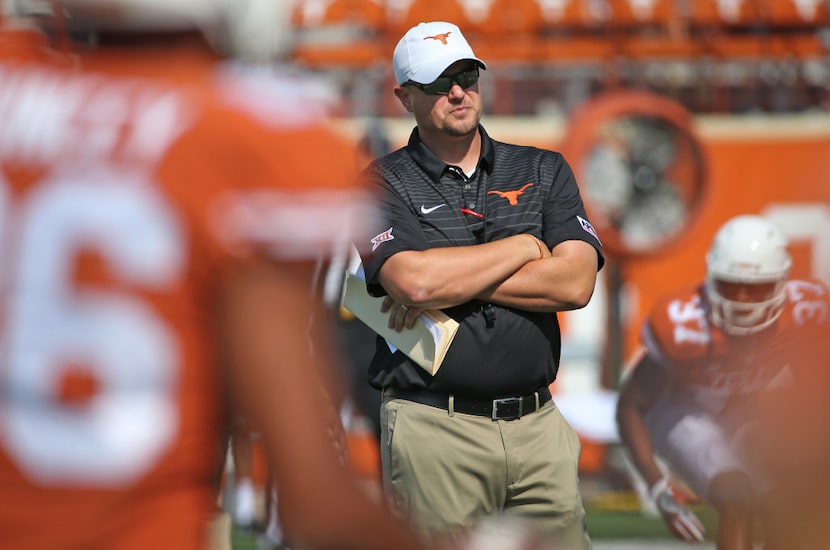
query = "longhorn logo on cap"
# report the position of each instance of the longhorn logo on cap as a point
(442, 38)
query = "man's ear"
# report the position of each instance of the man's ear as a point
(404, 97)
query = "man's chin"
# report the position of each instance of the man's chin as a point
(462, 129)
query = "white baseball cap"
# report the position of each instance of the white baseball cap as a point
(427, 49)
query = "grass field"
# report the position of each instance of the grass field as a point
(612, 519)
(617, 515)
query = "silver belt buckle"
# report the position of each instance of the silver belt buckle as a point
(506, 401)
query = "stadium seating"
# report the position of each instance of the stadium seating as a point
(651, 29)
(616, 42)
(510, 30)
(355, 32)
(788, 14)
(341, 33)
(403, 14)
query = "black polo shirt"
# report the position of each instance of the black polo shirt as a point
(498, 351)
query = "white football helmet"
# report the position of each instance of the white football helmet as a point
(253, 29)
(746, 270)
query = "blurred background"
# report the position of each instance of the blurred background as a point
(675, 116)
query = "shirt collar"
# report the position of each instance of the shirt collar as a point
(434, 167)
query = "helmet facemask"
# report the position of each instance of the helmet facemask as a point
(744, 316)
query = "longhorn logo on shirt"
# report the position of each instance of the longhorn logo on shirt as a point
(511, 196)
(442, 38)
(381, 238)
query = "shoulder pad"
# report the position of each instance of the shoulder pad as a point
(677, 328)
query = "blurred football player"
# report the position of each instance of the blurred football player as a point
(713, 356)
(160, 214)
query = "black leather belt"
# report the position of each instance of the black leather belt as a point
(505, 408)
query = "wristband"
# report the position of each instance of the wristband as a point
(538, 245)
(658, 488)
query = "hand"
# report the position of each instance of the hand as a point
(672, 505)
(400, 315)
(541, 247)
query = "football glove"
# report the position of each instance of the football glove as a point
(671, 502)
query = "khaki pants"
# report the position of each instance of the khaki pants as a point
(445, 472)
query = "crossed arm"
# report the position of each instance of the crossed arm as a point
(507, 272)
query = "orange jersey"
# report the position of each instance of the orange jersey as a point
(711, 367)
(127, 188)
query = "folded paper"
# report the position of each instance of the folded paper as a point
(426, 343)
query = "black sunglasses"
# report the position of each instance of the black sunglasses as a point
(443, 84)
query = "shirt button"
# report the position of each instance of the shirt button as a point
(467, 186)
(471, 205)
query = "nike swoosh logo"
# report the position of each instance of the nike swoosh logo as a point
(425, 210)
